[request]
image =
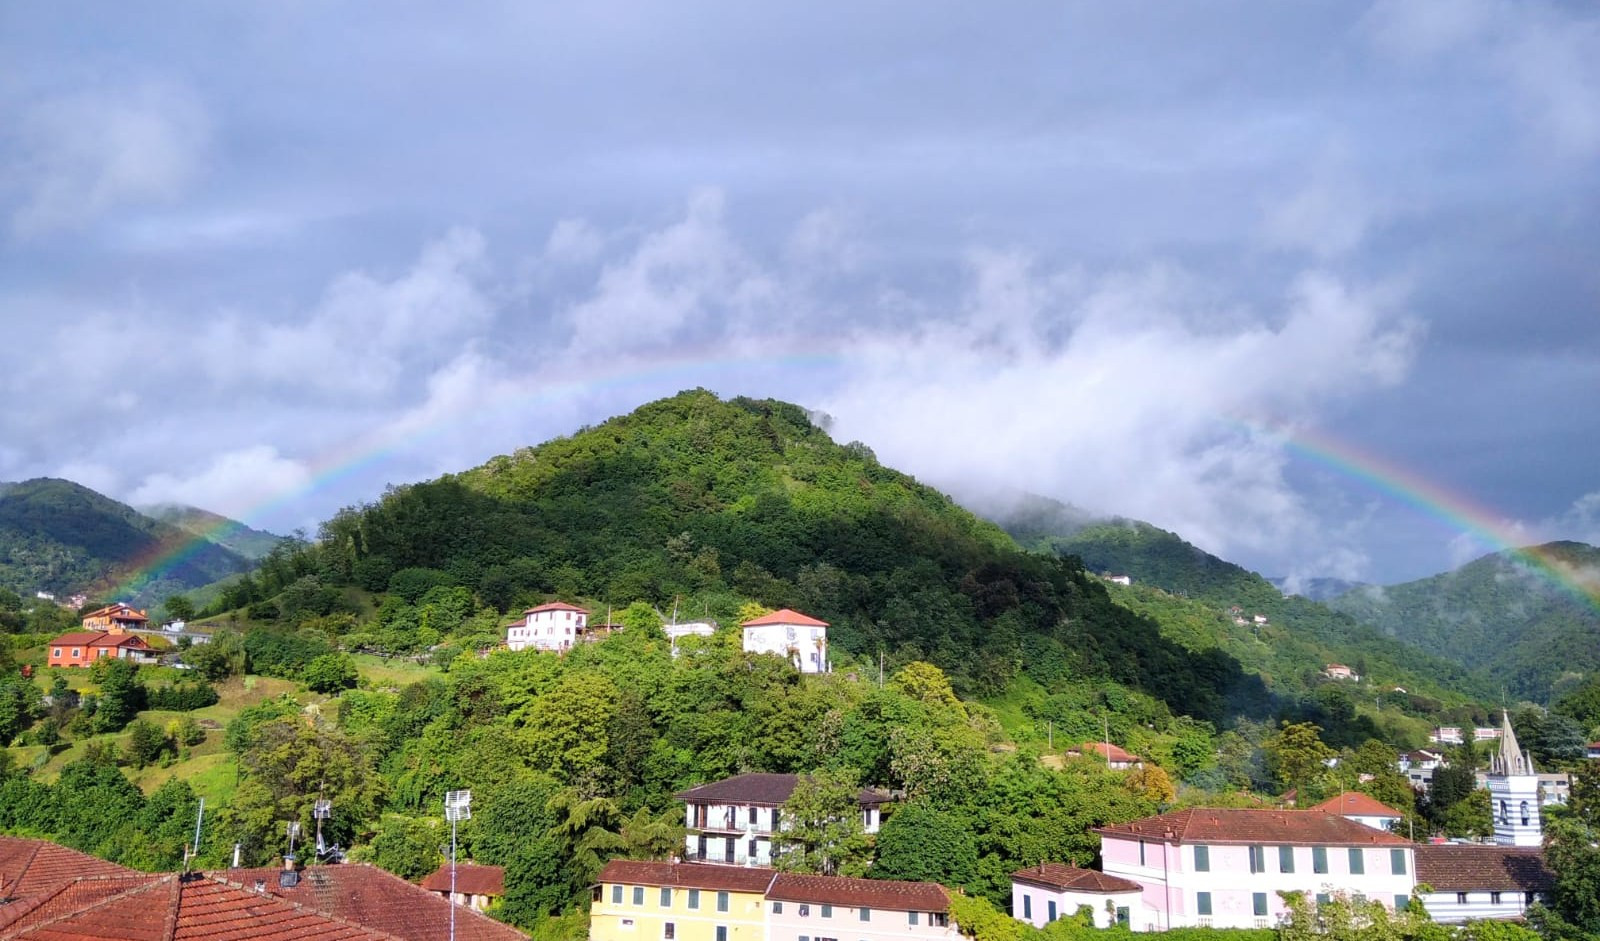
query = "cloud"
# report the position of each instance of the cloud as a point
(235, 483)
(81, 155)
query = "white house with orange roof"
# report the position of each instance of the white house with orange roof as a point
(1363, 809)
(1043, 893)
(798, 638)
(555, 626)
(1116, 757)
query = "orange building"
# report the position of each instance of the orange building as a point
(115, 617)
(105, 634)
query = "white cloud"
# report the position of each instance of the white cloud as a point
(92, 474)
(235, 483)
(81, 155)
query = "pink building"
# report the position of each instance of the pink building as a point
(1224, 868)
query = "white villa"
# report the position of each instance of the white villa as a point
(732, 821)
(555, 626)
(798, 638)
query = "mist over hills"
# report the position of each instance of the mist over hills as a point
(61, 537)
(1521, 617)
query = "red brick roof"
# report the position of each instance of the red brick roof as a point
(882, 894)
(785, 616)
(77, 639)
(1061, 876)
(31, 866)
(1109, 752)
(556, 606)
(1357, 804)
(471, 878)
(1243, 825)
(766, 789)
(1453, 867)
(367, 895)
(686, 875)
(183, 908)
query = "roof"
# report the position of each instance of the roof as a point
(1357, 804)
(179, 908)
(369, 896)
(470, 878)
(785, 616)
(1062, 876)
(1454, 867)
(1244, 825)
(32, 866)
(120, 610)
(883, 894)
(77, 639)
(1510, 759)
(686, 875)
(556, 606)
(759, 788)
(1109, 751)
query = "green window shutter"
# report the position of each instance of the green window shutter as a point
(1319, 859)
(616, 895)
(1358, 865)
(1397, 862)
(1202, 859)
(1286, 859)
(1202, 903)
(1258, 902)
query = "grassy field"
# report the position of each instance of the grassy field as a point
(393, 673)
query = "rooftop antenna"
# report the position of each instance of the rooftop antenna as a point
(458, 807)
(294, 833)
(322, 810)
(194, 850)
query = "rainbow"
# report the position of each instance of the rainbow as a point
(1454, 510)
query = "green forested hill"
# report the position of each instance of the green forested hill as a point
(1502, 614)
(61, 537)
(1300, 637)
(236, 537)
(714, 503)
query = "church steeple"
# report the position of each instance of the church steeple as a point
(1514, 791)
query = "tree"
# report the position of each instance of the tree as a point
(408, 847)
(824, 833)
(145, 744)
(1296, 755)
(121, 696)
(179, 608)
(925, 683)
(924, 843)
(330, 673)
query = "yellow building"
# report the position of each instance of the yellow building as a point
(651, 901)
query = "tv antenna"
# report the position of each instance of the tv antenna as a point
(194, 850)
(457, 807)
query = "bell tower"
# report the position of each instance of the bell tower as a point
(1514, 791)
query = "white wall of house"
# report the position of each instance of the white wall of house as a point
(1375, 822)
(1177, 892)
(1038, 906)
(803, 645)
(791, 921)
(741, 834)
(1453, 908)
(546, 630)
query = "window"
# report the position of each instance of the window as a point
(598, 893)
(722, 933)
(1402, 902)
(1319, 859)
(1358, 865)
(827, 910)
(805, 938)
(1027, 907)
(1202, 903)
(76, 653)
(627, 922)
(1524, 813)
(1286, 859)
(722, 901)
(56, 653)
(1323, 898)
(1202, 859)
(805, 911)
(939, 919)
(866, 913)
(777, 908)
(1050, 910)
(694, 898)
(1397, 862)
(638, 895)
(1122, 915)
(1258, 901)
(616, 895)
(1141, 852)
(911, 918)
(1494, 898)
(1461, 898)
(669, 931)
(1258, 859)
(1528, 898)
(666, 897)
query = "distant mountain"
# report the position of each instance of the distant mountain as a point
(1515, 615)
(1299, 636)
(64, 538)
(1316, 589)
(252, 544)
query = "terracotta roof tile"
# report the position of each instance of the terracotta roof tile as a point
(1454, 867)
(785, 616)
(77, 639)
(1109, 751)
(556, 606)
(1061, 876)
(369, 896)
(470, 878)
(766, 789)
(1238, 826)
(29, 866)
(686, 875)
(883, 894)
(1355, 803)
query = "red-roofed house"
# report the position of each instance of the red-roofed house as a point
(1115, 757)
(115, 617)
(83, 648)
(1224, 868)
(807, 906)
(798, 638)
(555, 626)
(475, 886)
(30, 866)
(1362, 808)
(733, 820)
(1041, 894)
(647, 901)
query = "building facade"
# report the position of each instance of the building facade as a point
(1482, 882)
(656, 901)
(733, 821)
(828, 908)
(83, 648)
(1041, 894)
(1363, 809)
(551, 627)
(798, 638)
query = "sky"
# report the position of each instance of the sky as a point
(1313, 285)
